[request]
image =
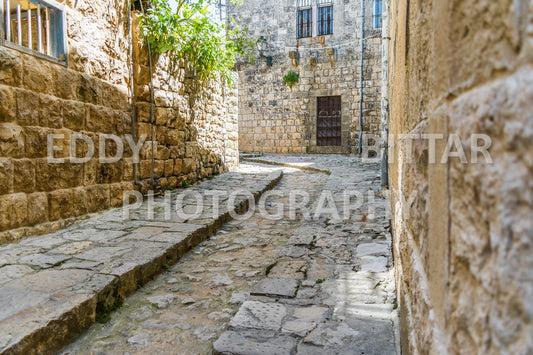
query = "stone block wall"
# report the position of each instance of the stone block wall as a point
(195, 123)
(274, 118)
(463, 237)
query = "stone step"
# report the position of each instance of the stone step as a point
(53, 287)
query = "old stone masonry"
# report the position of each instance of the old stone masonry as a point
(293, 284)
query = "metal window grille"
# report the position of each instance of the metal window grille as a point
(305, 23)
(305, 3)
(378, 10)
(325, 20)
(34, 25)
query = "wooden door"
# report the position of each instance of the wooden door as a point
(328, 128)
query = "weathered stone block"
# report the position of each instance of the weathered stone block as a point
(11, 140)
(36, 141)
(117, 192)
(282, 287)
(145, 169)
(159, 168)
(57, 176)
(476, 52)
(74, 115)
(37, 75)
(109, 173)
(169, 167)
(164, 115)
(66, 83)
(6, 212)
(19, 213)
(128, 169)
(89, 90)
(98, 198)
(254, 343)
(175, 137)
(51, 112)
(116, 97)
(8, 107)
(259, 315)
(10, 67)
(143, 129)
(24, 175)
(142, 110)
(90, 172)
(162, 153)
(28, 106)
(178, 167)
(101, 119)
(66, 203)
(189, 164)
(6, 176)
(161, 133)
(37, 208)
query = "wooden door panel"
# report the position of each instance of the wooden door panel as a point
(328, 131)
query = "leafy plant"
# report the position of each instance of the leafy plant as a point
(190, 34)
(291, 78)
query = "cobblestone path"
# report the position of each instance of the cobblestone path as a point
(264, 286)
(53, 287)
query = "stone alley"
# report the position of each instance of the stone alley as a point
(270, 287)
(264, 177)
(257, 286)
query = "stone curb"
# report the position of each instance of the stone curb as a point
(269, 162)
(103, 292)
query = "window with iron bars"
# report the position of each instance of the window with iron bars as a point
(378, 11)
(305, 23)
(325, 20)
(315, 18)
(34, 26)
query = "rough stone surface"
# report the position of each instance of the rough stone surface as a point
(462, 227)
(270, 286)
(195, 124)
(52, 286)
(202, 312)
(244, 343)
(254, 314)
(274, 118)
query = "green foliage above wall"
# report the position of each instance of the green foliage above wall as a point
(192, 35)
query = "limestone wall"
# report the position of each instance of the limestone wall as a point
(463, 232)
(275, 119)
(195, 124)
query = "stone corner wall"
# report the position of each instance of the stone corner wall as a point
(195, 125)
(195, 122)
(462, 230)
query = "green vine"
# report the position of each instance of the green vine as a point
(291, 78)
(190, 34)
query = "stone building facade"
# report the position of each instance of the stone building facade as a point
(274, 118)
(463, 230)
(87, 89)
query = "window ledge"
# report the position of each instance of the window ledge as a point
(33, 53)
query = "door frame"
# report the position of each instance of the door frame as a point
(346, 121)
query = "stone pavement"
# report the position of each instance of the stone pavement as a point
(54, 287)
(263, 286)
